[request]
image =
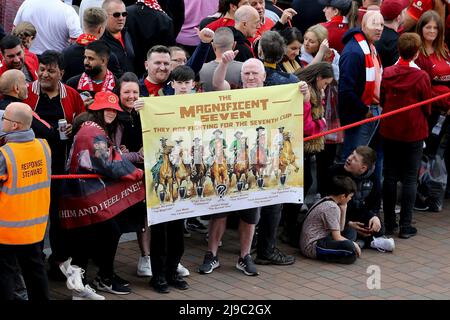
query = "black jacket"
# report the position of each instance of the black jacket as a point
(148, 27)
(387, 47)
(124, 55)
(243, 45)
(366, 202)
(74, 62)
(175, 10)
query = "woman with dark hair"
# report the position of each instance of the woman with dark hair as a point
(89, 208)
(291, 60)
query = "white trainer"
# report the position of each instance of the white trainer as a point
(383, 244)
(182, 271)
(86, 294)
(144, 267)
(74, 275)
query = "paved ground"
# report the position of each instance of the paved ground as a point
(418, 269)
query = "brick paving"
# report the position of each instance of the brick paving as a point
(419, 268)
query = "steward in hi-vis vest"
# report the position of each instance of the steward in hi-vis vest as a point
(25, 192)
(25, 176)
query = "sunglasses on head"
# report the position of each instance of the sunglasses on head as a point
(117, 14)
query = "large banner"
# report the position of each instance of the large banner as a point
(222, 151)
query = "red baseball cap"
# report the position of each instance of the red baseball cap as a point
(105, 100)
(391, 9)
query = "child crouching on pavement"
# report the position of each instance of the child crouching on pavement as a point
(323, 236)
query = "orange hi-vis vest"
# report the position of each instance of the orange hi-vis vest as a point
(25, 193)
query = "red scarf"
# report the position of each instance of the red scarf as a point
(369, 89)
(153, 4)
(85, 83)
(84, 39)
(406, 63)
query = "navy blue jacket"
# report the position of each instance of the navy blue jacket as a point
(352, 80)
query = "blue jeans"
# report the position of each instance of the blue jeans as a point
(361, 135)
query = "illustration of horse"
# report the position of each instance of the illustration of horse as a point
(182, 174)
(165, 175)
(287, 156)
(219, 172)
(241, 165)
(198, 176)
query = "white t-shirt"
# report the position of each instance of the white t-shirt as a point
(88, 4)
(55, 23)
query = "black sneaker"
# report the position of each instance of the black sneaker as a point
(178, 282)
(247, 266)
(420, 205)
(276, 257)
(120, 280)
(194, 225)
(407, 232)
(209, 263)
(110, 285)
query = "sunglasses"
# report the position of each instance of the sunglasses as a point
(118, 14)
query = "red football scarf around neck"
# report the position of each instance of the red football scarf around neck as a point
(369, 89)
(153, 4)
(84, 39)
(85, 83)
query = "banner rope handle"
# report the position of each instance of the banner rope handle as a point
(321, 134)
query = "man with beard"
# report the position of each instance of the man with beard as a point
(52, 100)
(14, 57)
(96, 76)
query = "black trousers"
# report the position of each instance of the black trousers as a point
(57, 235)
(29, 258)
(267, 229)
(335, 251)
(166, 248)
(99, 242)
(401, 163)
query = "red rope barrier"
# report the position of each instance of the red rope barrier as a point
(384, 115)
(75, 176)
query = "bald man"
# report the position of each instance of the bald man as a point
(13, 87)
(247, 24)
(25, 175)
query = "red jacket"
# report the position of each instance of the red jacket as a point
(31, 63)
(70, 100)
(336, 30)
(402, 86)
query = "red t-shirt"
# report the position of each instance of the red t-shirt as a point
(440, 69)
(221, 22)
(119, 37)
(152, 88)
